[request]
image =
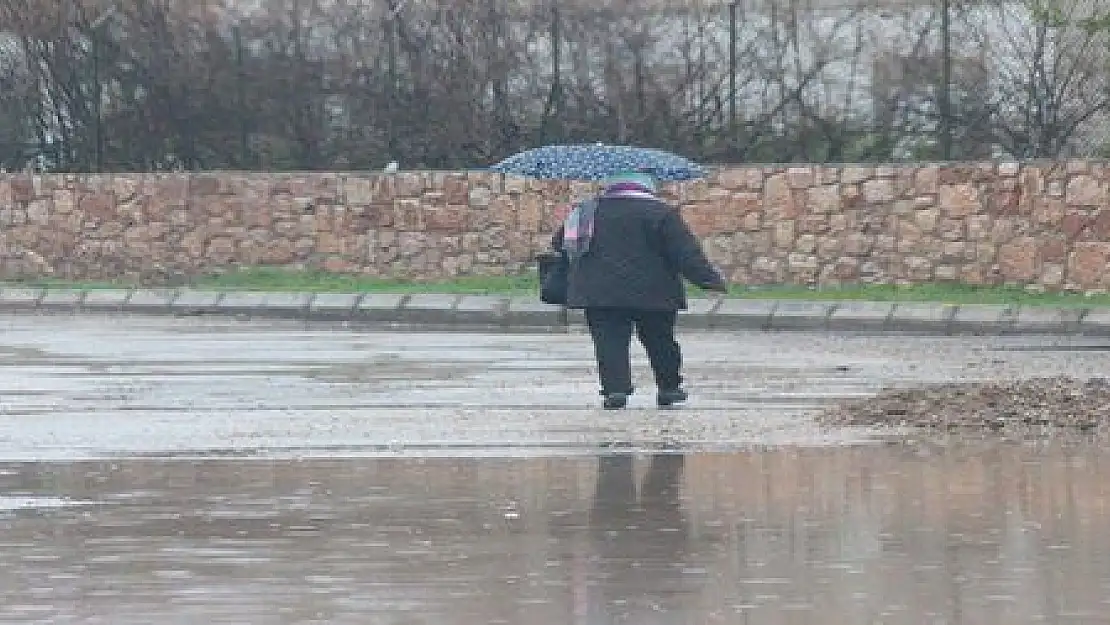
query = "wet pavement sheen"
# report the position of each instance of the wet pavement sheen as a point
(195, 471)
(1006, 534)
(93, 387)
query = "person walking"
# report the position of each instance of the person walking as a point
(627, 253)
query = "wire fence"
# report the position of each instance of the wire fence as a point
(304, 85)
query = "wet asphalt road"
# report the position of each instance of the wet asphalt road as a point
(191, 471)
(86, 387)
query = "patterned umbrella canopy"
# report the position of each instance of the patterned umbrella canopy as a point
(598, 161)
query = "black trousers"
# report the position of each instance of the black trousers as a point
(611, 330)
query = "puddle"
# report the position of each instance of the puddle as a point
(11, 503)
(895, 534)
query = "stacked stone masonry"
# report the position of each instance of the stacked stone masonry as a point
(1039, 225)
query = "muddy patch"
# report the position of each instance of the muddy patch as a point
(1038, 405)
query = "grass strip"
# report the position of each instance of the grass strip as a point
(275, 279)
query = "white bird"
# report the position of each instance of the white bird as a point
(392, 167)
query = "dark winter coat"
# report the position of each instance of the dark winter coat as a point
(640, 251)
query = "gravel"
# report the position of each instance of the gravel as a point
(1046, 404)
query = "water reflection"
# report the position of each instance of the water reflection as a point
(634, 569)
(1011, 535)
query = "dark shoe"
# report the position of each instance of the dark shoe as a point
(670, 397)
(615, 401)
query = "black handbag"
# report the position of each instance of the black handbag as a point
(553, 271)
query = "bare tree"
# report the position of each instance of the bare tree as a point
(922, 89)
(1048, 63)
(17, 101)
(314, 84)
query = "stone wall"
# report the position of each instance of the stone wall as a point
(1042, 225)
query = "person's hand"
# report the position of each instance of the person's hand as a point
(721, 285)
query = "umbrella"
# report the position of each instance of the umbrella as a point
(598, 161)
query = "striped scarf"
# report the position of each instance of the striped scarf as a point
(578, 228)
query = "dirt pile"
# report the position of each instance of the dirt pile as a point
(1060, 403)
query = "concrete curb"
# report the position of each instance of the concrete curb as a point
(525, 312)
